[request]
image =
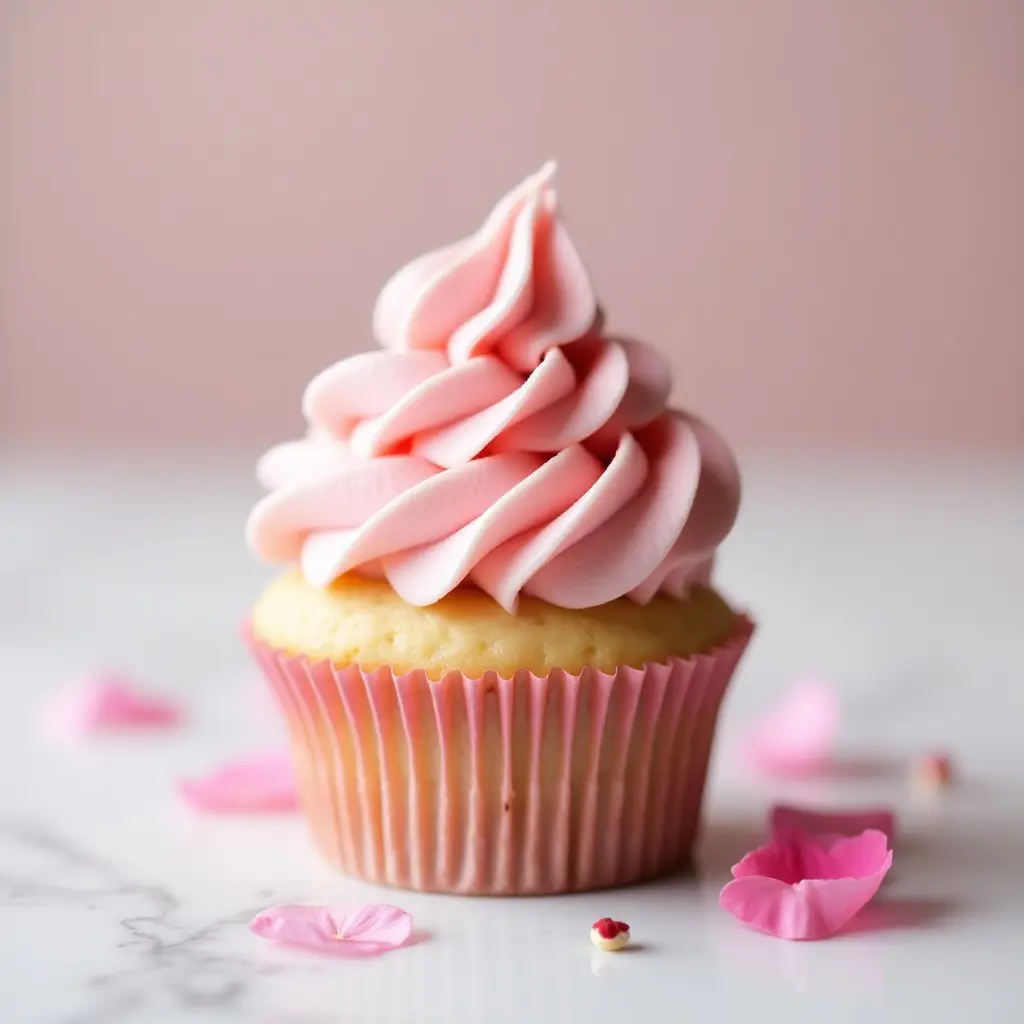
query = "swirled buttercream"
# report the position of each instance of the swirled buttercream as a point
(500, 437)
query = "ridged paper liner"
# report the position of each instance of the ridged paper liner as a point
(532, 784)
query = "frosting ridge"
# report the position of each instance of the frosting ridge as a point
(499, 437)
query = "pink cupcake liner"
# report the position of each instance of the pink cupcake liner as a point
(526, 785)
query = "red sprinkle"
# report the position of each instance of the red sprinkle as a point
(608, 929)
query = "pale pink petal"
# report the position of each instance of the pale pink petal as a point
(258, 782)
(106, 702)
(796, 737)
(847, 821)
(807, 887)
(340, 931)
(376, 924)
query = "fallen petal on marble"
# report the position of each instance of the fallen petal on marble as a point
(807, 887)
(932, 773)
(106, 702)
(849, 821)
(796, 737)
(259, 782)
(341, 931)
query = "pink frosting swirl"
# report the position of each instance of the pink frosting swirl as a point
(499, 438)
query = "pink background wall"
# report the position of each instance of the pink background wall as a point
(816, 207)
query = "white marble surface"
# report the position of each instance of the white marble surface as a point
(900, 582)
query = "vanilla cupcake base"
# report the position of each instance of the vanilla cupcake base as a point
(358, 621)
(512, 784)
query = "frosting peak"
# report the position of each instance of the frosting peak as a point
(517, 285)
(499, 438)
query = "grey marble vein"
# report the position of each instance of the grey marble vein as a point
(165, 957)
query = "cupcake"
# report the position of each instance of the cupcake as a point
(496, 644)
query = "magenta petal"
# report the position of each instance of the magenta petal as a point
(809, 910)
(106, 702)
(796, 737)
(258, 782)
(341, 931)
(846, 822)
(807, 887)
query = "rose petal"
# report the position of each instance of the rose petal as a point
(804, 887)
(258, 782)
(847, 821)
(341, 931)
(932, 772)
(797, 735)
(106, 702)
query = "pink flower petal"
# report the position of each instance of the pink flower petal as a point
(797, 735)
(803, 887)
(104, 702)
(847, 821)
(258, 782)
(341, 931)
(932, 772)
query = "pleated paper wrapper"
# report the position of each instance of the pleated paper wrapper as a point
(522, 785)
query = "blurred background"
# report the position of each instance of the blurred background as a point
(814, 208)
